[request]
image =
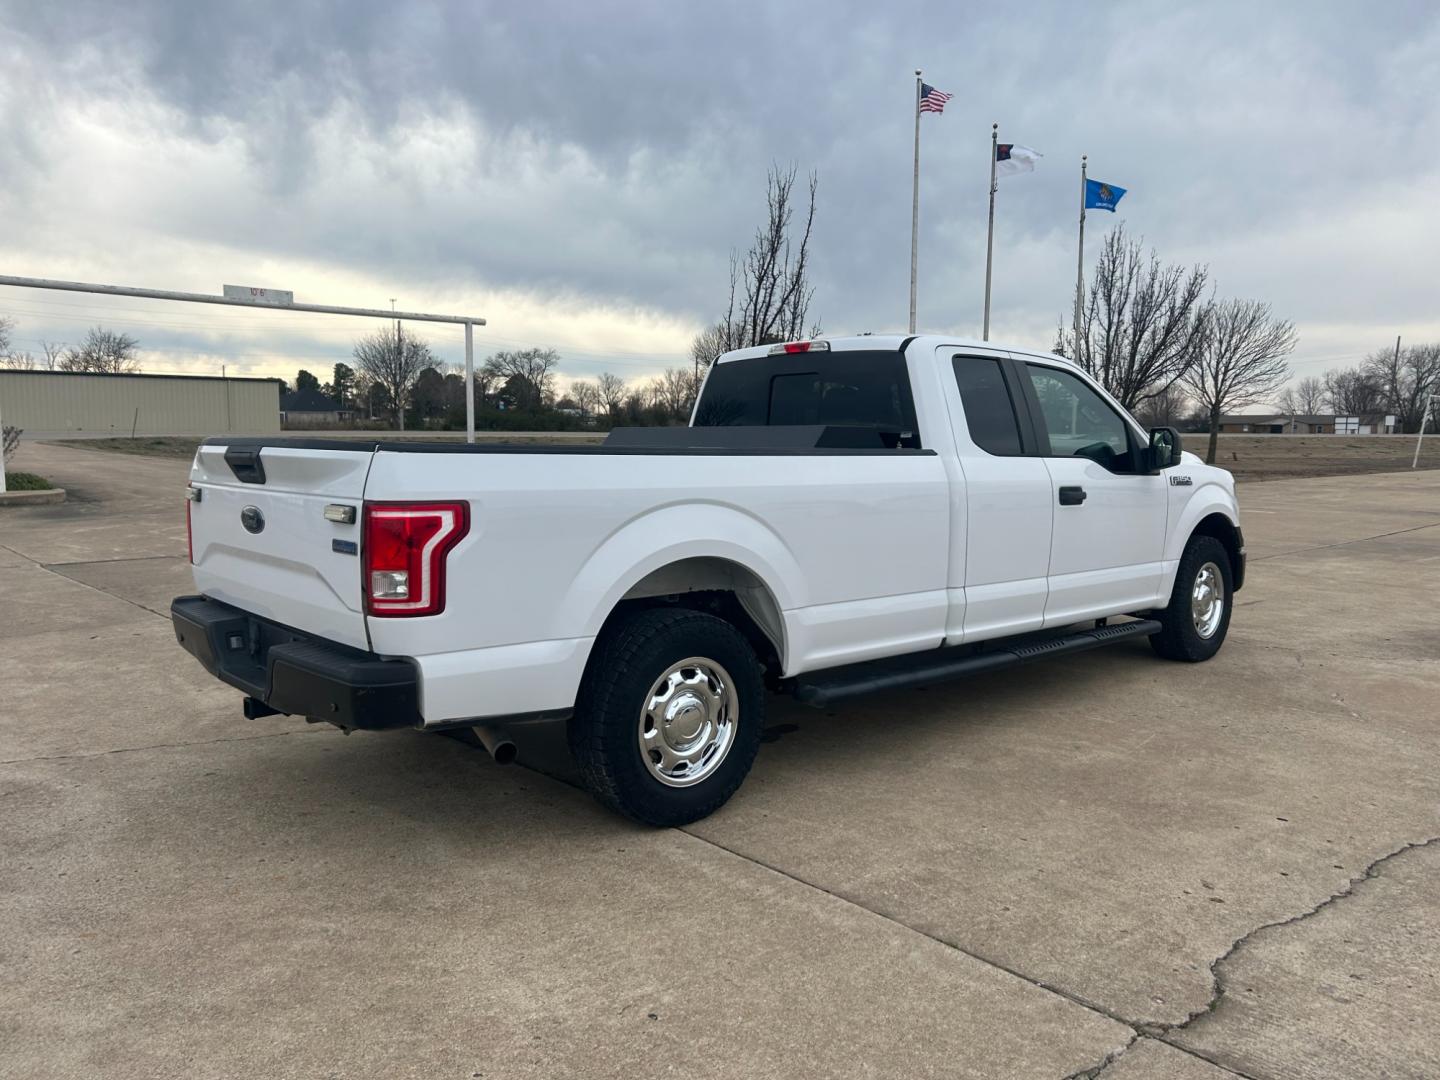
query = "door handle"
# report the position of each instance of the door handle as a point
(1072, 496)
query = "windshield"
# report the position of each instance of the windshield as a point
(870, 388)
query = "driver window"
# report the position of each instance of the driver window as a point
(1078, 421)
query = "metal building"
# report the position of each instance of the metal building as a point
(56, 402)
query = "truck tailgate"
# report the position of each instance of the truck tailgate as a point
(264, 544)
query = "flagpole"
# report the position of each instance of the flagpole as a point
(915, 205)
(1080, 261)
(990, 235)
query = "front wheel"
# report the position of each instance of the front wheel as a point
(1198, 616)
(669, 716)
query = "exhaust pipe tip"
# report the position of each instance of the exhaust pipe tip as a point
(502, 751)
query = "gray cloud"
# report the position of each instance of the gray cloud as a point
(606, 157)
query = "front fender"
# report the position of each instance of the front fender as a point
(1209, 498)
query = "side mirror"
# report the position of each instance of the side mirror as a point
(1164, 448)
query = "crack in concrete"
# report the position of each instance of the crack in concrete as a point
(1096, 1070)
(1092, 1071)
(1159, 1031)
(1162, 1031)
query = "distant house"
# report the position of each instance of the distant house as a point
(1284, 424)
(312, 409)
(1369, 424)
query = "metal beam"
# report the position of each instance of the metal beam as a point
(207, 298)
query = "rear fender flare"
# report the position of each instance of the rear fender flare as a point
(668, 535)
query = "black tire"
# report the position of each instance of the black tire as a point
(629, 658)
(1180, 639)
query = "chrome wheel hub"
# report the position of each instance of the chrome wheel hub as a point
(688, 722)
(1207, 600)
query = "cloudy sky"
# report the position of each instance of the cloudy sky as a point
(578, 173)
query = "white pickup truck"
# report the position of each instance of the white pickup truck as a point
(841, 516)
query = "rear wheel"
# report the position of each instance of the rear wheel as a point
(669, 716)
(1198, 616)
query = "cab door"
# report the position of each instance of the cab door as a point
(1001, 514)
(1108, 539)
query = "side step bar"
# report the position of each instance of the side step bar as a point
(823, 688)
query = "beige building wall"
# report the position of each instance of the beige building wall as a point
(45, 402)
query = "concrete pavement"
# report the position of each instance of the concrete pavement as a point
(1109, 863)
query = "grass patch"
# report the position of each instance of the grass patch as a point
(26, 481)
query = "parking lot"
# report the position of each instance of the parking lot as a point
(1108, 863)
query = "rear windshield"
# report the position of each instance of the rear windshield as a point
(850, 389)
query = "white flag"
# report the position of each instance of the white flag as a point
(1011, 158)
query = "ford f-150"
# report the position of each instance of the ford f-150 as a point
(841, 516)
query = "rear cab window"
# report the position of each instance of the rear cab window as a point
(867, 388)
(991, 414)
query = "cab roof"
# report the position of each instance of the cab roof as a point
(885, 342)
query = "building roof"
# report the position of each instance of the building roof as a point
(46, 373)
(308, 401)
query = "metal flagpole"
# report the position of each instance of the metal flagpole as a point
(990, 235)
(915, 204)
(1080, 261)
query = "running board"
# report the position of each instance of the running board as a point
(824, 688)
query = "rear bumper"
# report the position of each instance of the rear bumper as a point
(286, 671)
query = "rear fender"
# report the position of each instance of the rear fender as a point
(670, 534)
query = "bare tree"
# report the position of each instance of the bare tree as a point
(612, 391)
(1165, 409)
(102, 351)
(48, 360)
(587, 396)
(708, 345)
(527, 373)
(1241, 360)
(391, 361)
(1406, 378)
(1305, 398)
(1144, 322)
(770, 290)
(672, 393)
(1353, 392)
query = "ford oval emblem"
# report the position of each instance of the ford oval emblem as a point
(252, 519)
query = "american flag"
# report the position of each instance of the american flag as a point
(932, 100)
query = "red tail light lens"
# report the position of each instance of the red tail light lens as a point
(189, 533)
(404, 546)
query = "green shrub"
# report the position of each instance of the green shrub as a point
(26, 481)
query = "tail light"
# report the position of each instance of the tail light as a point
(404, 551)
(192, 496)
